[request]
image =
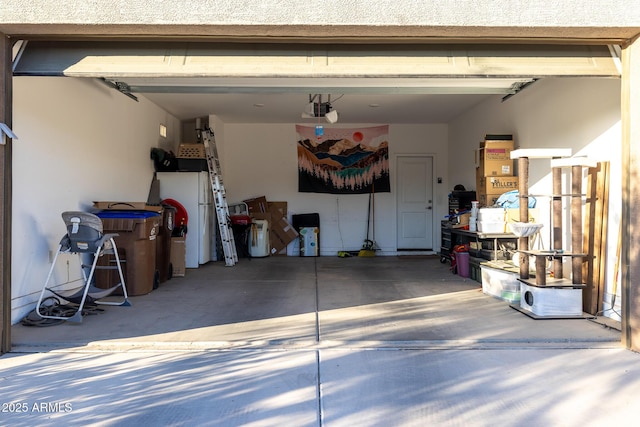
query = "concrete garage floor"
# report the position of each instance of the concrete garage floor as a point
(384, 341)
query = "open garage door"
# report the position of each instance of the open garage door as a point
(199, 67)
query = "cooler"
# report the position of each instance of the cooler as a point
(137, 236)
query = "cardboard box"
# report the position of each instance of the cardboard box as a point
(178, 256)
(488, 199)
(462, 220)
(496, 184)
(493, 158)
(495, 167)
(257, 205)
(280, 207)
(513, 215)
(475, 245)
(282, 233)
(497, 149)
(127, 206)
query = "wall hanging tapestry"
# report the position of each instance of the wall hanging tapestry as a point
(343, 161)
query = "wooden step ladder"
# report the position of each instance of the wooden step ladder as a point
(220, 199)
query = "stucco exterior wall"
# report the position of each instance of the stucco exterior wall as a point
(546, 21)
(327, 19)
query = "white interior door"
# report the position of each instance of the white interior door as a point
(415, 203)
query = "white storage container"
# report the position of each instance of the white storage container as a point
(500, 284)
(259, 245)
(551, 302)
(492, 214)
(492, 227)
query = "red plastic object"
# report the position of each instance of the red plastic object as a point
(240, 219)
(182, 217)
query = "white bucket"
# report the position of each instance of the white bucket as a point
(259, 244)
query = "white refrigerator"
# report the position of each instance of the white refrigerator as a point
(193, 191)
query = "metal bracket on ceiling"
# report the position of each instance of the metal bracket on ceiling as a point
(6, 132)
(518, 87)
(19, 47)
(121, 87)
(616, 53)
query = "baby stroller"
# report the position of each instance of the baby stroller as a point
(84, 236)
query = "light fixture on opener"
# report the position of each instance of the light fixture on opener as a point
(317, 108)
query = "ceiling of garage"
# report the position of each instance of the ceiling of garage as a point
(288, 107)
(267, 83)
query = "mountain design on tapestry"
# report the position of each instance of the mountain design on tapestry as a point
(342, 166)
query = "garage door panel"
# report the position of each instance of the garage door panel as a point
(543, 61)
(206, 60)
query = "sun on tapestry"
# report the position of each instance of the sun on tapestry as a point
(343, 160)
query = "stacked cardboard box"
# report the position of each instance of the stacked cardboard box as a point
(281, 232)
(495, 174)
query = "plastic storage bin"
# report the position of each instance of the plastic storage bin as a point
(500, 284)
(462, 262)
(137, 236)
(491, 214)
(492, 227)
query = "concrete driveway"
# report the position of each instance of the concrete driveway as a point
(384, 341)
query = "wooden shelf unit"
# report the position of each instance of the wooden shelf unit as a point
(559, 159)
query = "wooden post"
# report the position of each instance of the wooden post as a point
(6, 76)
(523, 189)
(576, 223)
(541, 270)
(594, 221)
(556, 208)
(630, 256)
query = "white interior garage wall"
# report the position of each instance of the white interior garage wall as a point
(578, 113)
(79, 141)
(261, 160)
